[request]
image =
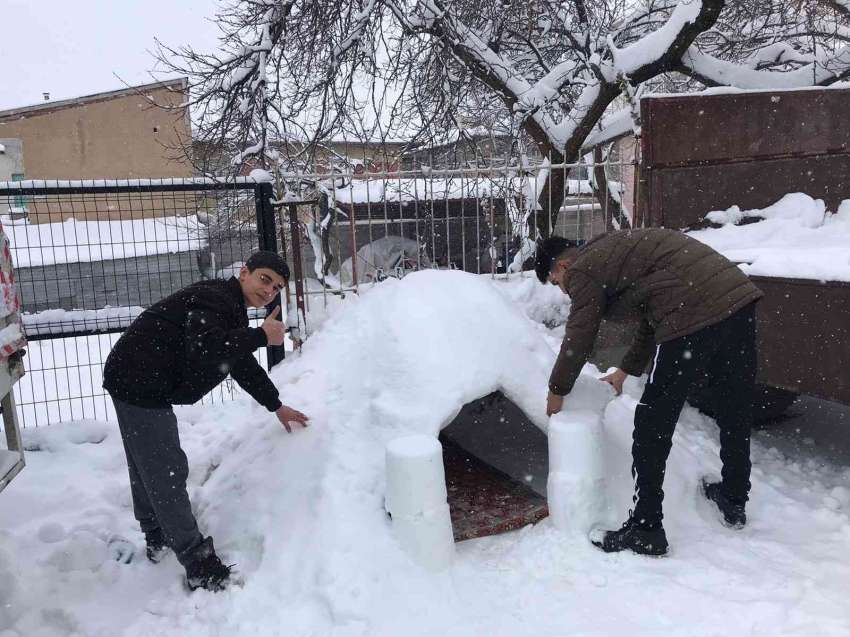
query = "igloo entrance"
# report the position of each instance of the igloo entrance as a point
(496, 462)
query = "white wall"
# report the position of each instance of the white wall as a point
(12, 161)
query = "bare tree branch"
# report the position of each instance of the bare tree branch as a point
(293, 73)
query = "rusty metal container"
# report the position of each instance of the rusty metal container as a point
(710, 152)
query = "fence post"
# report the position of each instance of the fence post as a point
(298, 272)
(263, 194)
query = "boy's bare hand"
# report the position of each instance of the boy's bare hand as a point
(274, 329)
(287, 415)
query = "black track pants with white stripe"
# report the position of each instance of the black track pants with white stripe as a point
(724, 352)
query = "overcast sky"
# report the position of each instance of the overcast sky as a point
(71, 48)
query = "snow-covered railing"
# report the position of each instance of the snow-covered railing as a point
(188, 183)
(78, 321)
(41, 325)
(459, 217)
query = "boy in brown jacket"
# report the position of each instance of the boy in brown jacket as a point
(695, 317)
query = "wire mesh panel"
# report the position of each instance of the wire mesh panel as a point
(471, 219)
(90, 256)
(64, 378)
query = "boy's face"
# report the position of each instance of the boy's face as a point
(556, 274)
(260, 286)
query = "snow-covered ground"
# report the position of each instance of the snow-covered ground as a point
(302, 515)
(74, 241)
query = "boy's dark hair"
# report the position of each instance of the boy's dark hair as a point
(267, 259)
(548, 250)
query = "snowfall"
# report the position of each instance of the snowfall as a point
(302, 515)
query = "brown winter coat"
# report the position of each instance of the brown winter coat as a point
(671, 284)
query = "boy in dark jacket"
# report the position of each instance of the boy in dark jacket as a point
(174, 353)
(695, 317)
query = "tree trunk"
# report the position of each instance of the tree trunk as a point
(325, 233)
(610, 206)
(551, 197)
(556, 181)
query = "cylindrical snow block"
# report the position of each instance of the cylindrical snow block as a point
(576, 484)
(428, 539)
(416, 500)
(416, 480)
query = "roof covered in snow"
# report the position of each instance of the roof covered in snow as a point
(73, 241)
(178, 84)
(452, 188)
(618, 124)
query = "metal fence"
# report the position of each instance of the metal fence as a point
(90, 256)
(468, 219)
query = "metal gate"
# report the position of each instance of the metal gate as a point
(91, 255)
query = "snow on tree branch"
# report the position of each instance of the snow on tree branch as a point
(294, 73)
(652, 47)
(714, 72)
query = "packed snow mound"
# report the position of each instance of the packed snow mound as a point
(544, 304)
(796, 237)
(403, 358)
(419, 349)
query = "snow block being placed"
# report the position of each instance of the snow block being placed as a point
(416, 499)
(576, 484)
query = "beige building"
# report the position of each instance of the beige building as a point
(115, 135)
(122, 134)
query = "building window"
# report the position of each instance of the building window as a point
(20, 201)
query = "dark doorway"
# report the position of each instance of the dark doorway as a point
(497, 464)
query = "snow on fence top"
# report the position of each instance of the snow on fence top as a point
(256, 177)
(737, 90)
(73, 241)
(108, 318)
(394, 190)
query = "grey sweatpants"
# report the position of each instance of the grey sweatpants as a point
(158, 472)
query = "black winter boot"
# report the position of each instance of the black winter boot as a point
(156, 546)
(206, 570)
(734, 513)
(634, 537)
